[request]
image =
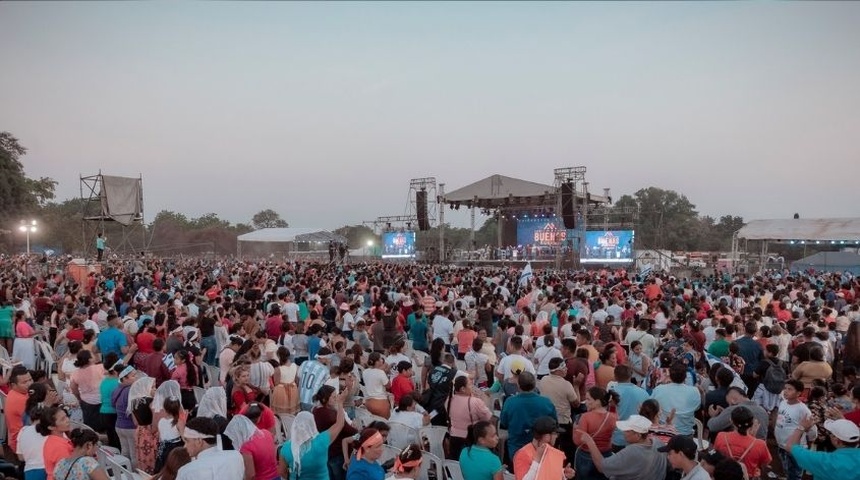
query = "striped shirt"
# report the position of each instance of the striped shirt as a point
(313, 375)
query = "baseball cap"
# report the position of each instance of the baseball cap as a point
(844, 430)
(545, 425)
(636, 423)
(683, 444)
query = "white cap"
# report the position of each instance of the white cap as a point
(844, 430)
(636, 423)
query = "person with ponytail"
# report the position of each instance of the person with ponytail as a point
(186, 374)
(597, 423)
(477, 459)
(407, 465)
(81, 465)
(742, 445)
(364, 463)
(466, 408)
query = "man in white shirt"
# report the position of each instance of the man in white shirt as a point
(208, 462)
(349, 320)
(443, 327)
(514, 361)
(291, 309)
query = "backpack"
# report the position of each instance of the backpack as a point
(774, 378)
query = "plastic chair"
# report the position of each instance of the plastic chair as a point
(286, 421)
(214, 374)
(435, 437)
(120, 472)
(700, 436)
(453, 470)
(388, 453)
(401, 435)
(364, 418)
(428, 461)
(198, 393)
(112, 463)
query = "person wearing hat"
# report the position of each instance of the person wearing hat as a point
(539, 457)
(639, 460)
(681, 453)
(842, 463)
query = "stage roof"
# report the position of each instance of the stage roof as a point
(496, 189)
(816, 229)
(292, 234)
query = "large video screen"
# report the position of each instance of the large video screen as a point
(398, 244)
(544, 232)
(613, 246)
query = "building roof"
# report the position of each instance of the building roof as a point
(291, 234)
(816, 229)
(829, 259)
(497, 188)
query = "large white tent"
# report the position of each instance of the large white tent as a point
(808, 229)
(290, 237)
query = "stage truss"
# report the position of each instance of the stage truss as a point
(96, 216)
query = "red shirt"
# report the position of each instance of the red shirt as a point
(273, 327)
(76, 334)
(853, 415)
(144, 342)
(265, 458)
(400, 387)
(241, 397)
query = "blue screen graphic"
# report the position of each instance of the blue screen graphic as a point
(398, 244)
(613, 246)
(545, 232)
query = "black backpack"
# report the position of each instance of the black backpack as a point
(774, 379)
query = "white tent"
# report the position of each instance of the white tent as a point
(815, 229)
(290, 236)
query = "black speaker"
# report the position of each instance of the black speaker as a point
(567, 202)
(421, 210)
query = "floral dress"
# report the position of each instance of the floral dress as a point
(75, 468)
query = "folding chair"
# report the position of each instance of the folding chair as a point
(388, 453)
(453, 470)
(435, 437)
(401, 435)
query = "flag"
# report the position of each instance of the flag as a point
(645, 270)
(526, 275)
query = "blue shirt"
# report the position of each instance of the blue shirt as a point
(111, 340)
(100, 243)
(479, 463)
(751, 352)
(684, 399)
(364, 470)
(418, 333)
(632, 397)
(519, 414)
(313, 346)
(314, 465)
(843, 463)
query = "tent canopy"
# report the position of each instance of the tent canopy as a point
(494, 190)
(290, 235)
(830, 262)
(816, 229)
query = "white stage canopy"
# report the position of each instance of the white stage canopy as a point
(814, 229)
(290, 235)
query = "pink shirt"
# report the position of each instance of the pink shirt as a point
(24, 330)
(88, 380)
(180, 374)
(465, 411)
(260, 448)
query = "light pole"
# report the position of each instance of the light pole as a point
(28, 228)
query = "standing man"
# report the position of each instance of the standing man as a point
(632, 397)
(208, 462)
(563, 396)
(100, 246)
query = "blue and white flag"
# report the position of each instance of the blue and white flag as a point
(645, 270)
(527, 275)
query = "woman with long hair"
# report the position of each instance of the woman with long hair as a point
(376, 383)
(326, 414)
(81, 465)
(177, 459)
(742, 445)
(85, 384)
(243, 392)
(171, 427)
(185, 374)
(54, 424)
(24, 348)
(285, 394)
(437, 348)
(255, 445)
(597, 423)
(851, 349)
(407, 465)
(140, 399)
(305, 455)
(465, 409)
(364, 463)
(107, 411)
(477, 459)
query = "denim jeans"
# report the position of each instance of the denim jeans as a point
(211, 346)
(584, 466)
(789, 465)
(335, 468)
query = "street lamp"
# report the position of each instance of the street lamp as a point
(28, 228)
(370, 243)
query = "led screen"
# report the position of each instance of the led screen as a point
(613, 246)
(398, 244)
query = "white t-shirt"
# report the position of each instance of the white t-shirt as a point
(30, 445)
(291, 309)
(167, 431)
(477, 361)
(505, 365)
(443, 328)
(375, 381)
(348, 322)
(543, 355)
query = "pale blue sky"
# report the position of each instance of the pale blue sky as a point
(324, 111)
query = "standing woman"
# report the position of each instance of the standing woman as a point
(477, 460)
(81, 465)
(597, 423)
(465, 409)
(54, 424)
(304, 456)
(375, 384)
(125, 429)
(85, 384)
(255, 445)
(364, 464)
(185, 374)
(24, 348)
(7, 310)
(285, 394)
(639, 363)
(146, 436)
(107, 412)
(326, 415)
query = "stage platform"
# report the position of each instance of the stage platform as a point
(540, 264)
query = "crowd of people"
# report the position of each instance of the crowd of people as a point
(203, 369)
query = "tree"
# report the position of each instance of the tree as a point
(357, 235)
(268, 218)
(667, 219)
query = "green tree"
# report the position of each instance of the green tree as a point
(357, 235)
(268, 219)
(667, 219)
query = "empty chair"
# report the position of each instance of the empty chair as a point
(401, 435)
(435, 437)
(286, 421)
(388, 453)
(453, 470)
(430, 462)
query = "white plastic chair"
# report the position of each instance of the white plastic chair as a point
(214, 374)
(198, 393)
(388, 453)
(401, 435)
(364, 418)
(286, 421)
(113, 463)
(700, 436)
(428, 461)
(435, 437)
(453, 470)
(119, 471)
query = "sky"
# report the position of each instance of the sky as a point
(323, 112)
